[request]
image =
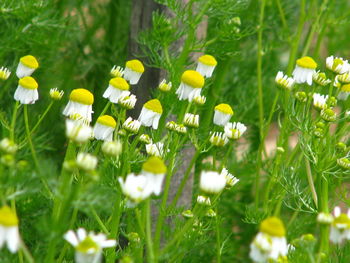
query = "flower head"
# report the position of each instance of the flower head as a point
(154, 169)
(133, 71)
(145, 138)
(283, 81)
(203, 200)
(218, 139)
(231, 180)
(26, 66)
(344, 92)
(127, 101)
(304, 70)
(117, 88)
(191, 120)
(320, 101)
(222, 114)
(4, 73)
(191, 85)
(8, 146)
(9, 233)
(135, 187)
(104, 128)
(112, 148)
(320, 78)
(56, 94)
(337, 65)
(165, 87)
(78, 129)
(80, 102)
(234, 130)
(206, 65)
(27, 91)
(340, 228)
(155, 149)
(199, 100)
(151, 113)
(86, 161)
(131, 125)
(344, 163)
(328, 115)
(212, 182)
(117, 72)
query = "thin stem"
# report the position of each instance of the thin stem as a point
(218, 239)
(99, 221)
(42, 117)
(149, 243)
(13, 121)
(311, 181)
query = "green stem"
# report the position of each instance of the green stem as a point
(13, 121)
(28, 256)
(105, 108)
(42, 117)
(99, 221)
(149, 243)
(218, 239)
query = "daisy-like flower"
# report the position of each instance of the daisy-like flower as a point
(8, 146)
(131, 125)
(344, 92)
(127, 101)
(343, 78)
(26, 66)
(340, 228)
(325, 218)
(191, 85)
(212, 182)
(173, 126)
(136, 188)
(145, 138)
(113, 148)
(320, 101)
(104, 128)
(337, 65)
(150, 114)
(210, 213)
(234, 130)
(78, 129)
(304, 69)
(155, 149)
(270, 243)
(80, 102)
(231, 180)
(187, 214)
(86, 161)
(165, 87)
(9, 233)
(27, 91)
(4, 73)
(191, 120)
(133, 71)
(222, 114)
(218, 139)
(206, 65)
(56, 94)
(199, 100)
(320, 78)
(344, 162)
(117, 72)
(117, 88)
(154, 169)
(283, 81)
(328, 115)
(203, 200)
(88, 246)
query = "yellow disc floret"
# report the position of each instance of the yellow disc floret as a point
(119, 83)
(273, 226)
(208, 60)
(193, 79)
(82, 96)
(28, 83)
(345, 88)
(154, 165)
(135, 65)
(87, 245)
(8, 218)
(154, 105)
(342, 219)
(307, 62)
(29, 61)
(224, 108)
(107, 121)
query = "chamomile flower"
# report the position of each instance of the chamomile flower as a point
(86, 161)
(112, 148)
(222, 114)
(344, 92)
(131, 125)
(80, 102)
(155, 149)
(328, 115)
(212, 182)
(283, 81)
(173, 126)
(127, 101)
(9, 233)
(231, 180)
(154, 169)
(8, 146)
(270, 243)
(117, 72)
(145, 138)
(165, 87)
(206, 65)
(199, 100)
(191, 120)
(340, 228)
(56, 94)
(117, 88)
(104, 128)
(203, 200)
(26, 66)
(78, 129)
(136, 188)
(337, 65)
(343, 78)
(234, 130)
(191, 85)
(4, 73)
(133, 71)
(304, 69)
(320, 78)
(325, 218)
(150, 114)
(218, 139)
(27, 91)
(320, 101)
(88, 246)
(344, 163)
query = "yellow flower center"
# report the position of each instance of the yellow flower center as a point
(29, 61)
(273, 226)
(119, 83)
(107, 120)
(224, 108)
(208, 60)
(82, 96)
(154, 105)
(193, 79)
(336, 63)
(135, 65)
(28, 83)
(154, 165)
(86, 245)
(307, 62)
(345, 88)
(342, 219)
(8, 218)
(322, 75)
